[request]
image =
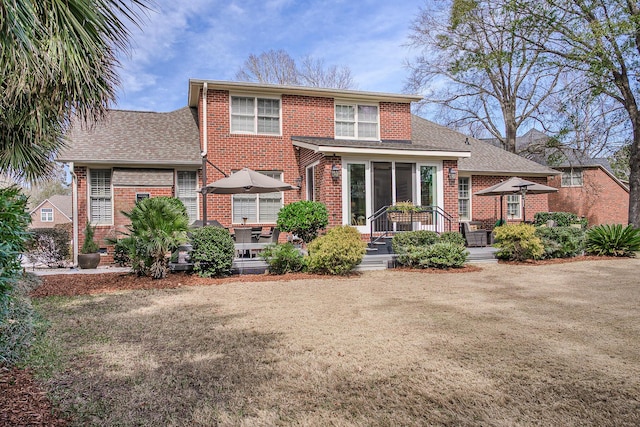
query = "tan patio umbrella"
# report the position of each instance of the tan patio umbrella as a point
(245, 181)
(515, 185)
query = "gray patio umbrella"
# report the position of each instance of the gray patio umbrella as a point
(515, 185)
(247, 181)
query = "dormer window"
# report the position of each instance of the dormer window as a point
(357, 121)
(255, 115)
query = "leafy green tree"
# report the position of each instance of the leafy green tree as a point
(58, 61)
(304, 219)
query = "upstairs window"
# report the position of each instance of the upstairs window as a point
(46, 214)
(572, 178)
(356, 121)
(255, 115)
(100, 202)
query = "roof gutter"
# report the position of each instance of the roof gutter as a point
(74, 214)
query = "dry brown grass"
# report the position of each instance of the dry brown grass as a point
(506, 346)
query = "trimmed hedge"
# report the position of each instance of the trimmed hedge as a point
(562, 219)
(283, 258)
(561, 242)
(518, 242)
(401, 241)
(304, 219)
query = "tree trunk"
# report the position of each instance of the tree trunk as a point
(634, 175)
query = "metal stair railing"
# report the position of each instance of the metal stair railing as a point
(432, 218)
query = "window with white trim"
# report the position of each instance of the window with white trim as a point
(46, 214)
(356, 121)
(464, 200)
(100, 201)
(572, 178)
(258, 208)
(514, 208)
(186, 191)
(255, 115)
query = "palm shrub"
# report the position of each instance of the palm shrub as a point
(158, 226)
(304, 219)
(337, 252)
(283, 258)
(213, 251)
(518, 242)
(561, 242)
(613, 240)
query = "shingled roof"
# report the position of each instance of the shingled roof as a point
(485, 158)
(137, 138)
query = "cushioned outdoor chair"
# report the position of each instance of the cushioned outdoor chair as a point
(474, 235)
(270, 238)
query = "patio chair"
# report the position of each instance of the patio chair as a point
(473, 235)
(243, 235)
(271, 238)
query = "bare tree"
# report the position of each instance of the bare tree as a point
(480, 71)
(278, 67)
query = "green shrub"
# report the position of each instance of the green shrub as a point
(437, 255)
(403, 240)
(213, 251)
(89, 246)
(453, 237)
(518, 242)
(158, 226)
(337, 252)
(613, 240)
(562, 219)
(14, 220)
(304, 219)
(561, 242)
(283, 258)
(49, 246)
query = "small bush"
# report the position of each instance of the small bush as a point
(453, 237)
(283, 258)
(14, 220)
(562, 219)
(561, 242)
(437, 255)
(337, 252)
(49, 246)
(89, 246)
(613, 240)
(403, 240)
(213, 251)
(518, 242)
(121, 253)
(304, 219)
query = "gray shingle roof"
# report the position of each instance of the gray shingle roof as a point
(485, 158)
(135, 137)
(63, 203)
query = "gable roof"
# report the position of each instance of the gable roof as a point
(137, 138)
(484, 159)
(60, 202)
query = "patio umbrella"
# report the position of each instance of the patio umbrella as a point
(515, 185)
(247, 181)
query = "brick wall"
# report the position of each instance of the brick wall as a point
(600, 199)
(487, 208)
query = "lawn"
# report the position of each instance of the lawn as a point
(509, 345)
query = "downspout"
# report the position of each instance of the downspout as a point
(74, 214)
(204, 148)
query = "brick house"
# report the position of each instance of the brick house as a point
(354, 151)
(586, 186)
(51, 212)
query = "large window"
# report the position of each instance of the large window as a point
(186, 192)
(356, 121)
(464, 205)
(46, 214)
(572, 178)
(100, 202)
(514, 210)
(258, 208)
(255, 115)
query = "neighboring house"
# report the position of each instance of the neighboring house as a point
(51, 212)
(587, 186)
(354, 151)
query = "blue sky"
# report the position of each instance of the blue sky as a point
(210, 39)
